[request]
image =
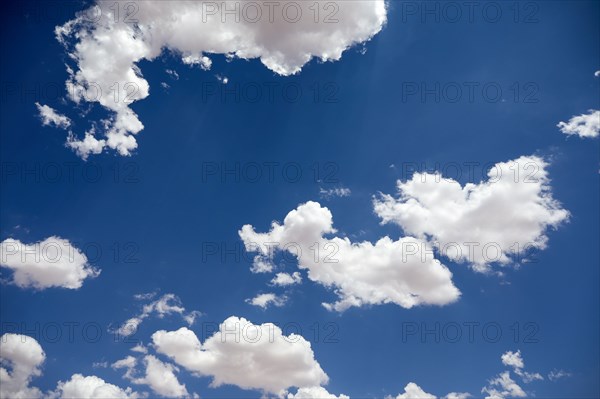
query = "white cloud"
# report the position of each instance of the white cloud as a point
(204, 62)
(222, 79)
(262, 264)
(314, 393)
(401, 272)
(558, 374)
(139, 348)
(190, 318)
(334, 192)
(23, 356)
(493, 221)
(264, 300)
(53, 262)
(247, 355)
(413, 391)
(50, 117)
(145, 296)
(285, 279)
(89, 145)
(500, 387)
(597, 73)
(584, 125)
(161, 378)
(172, 73)
(503, 386)
(108, 49)
(167, 304)
(128, 363)
(91, 387)
(515, 360)
(457, 395)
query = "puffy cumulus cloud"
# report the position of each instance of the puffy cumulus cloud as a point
(50, 117)
(515, 360)
(413, 391)
(403, 272)
(161, 378)
(262, 264)
(584, 125)
(23, 356)
(314, 393)
(128, 363)
(502, 387)
(167, 304)
(106, 44)
(244, 354)
(91, 387)
(285, 279)
(139, 348)
(457, 395)
(494, 221)
(89, 145)
(53, 262)
(266, 299)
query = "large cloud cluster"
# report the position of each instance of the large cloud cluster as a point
(107, 42)
(23, 356)
(53, 262)
(403, 272)
(494, 221)
(244, 354)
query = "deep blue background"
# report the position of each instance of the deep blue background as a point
(161, 206)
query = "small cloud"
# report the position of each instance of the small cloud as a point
(584, 125)
(203, 61)
(89, 145)
(50, 117)
(139, 348)
(173, 74)
(144, 297)
(558, 374)
(264, 300)
(222, 79)
(167, 304)
(285, 279)
(335, 192)
(262, 264)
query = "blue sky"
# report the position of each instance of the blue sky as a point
(154, 214)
